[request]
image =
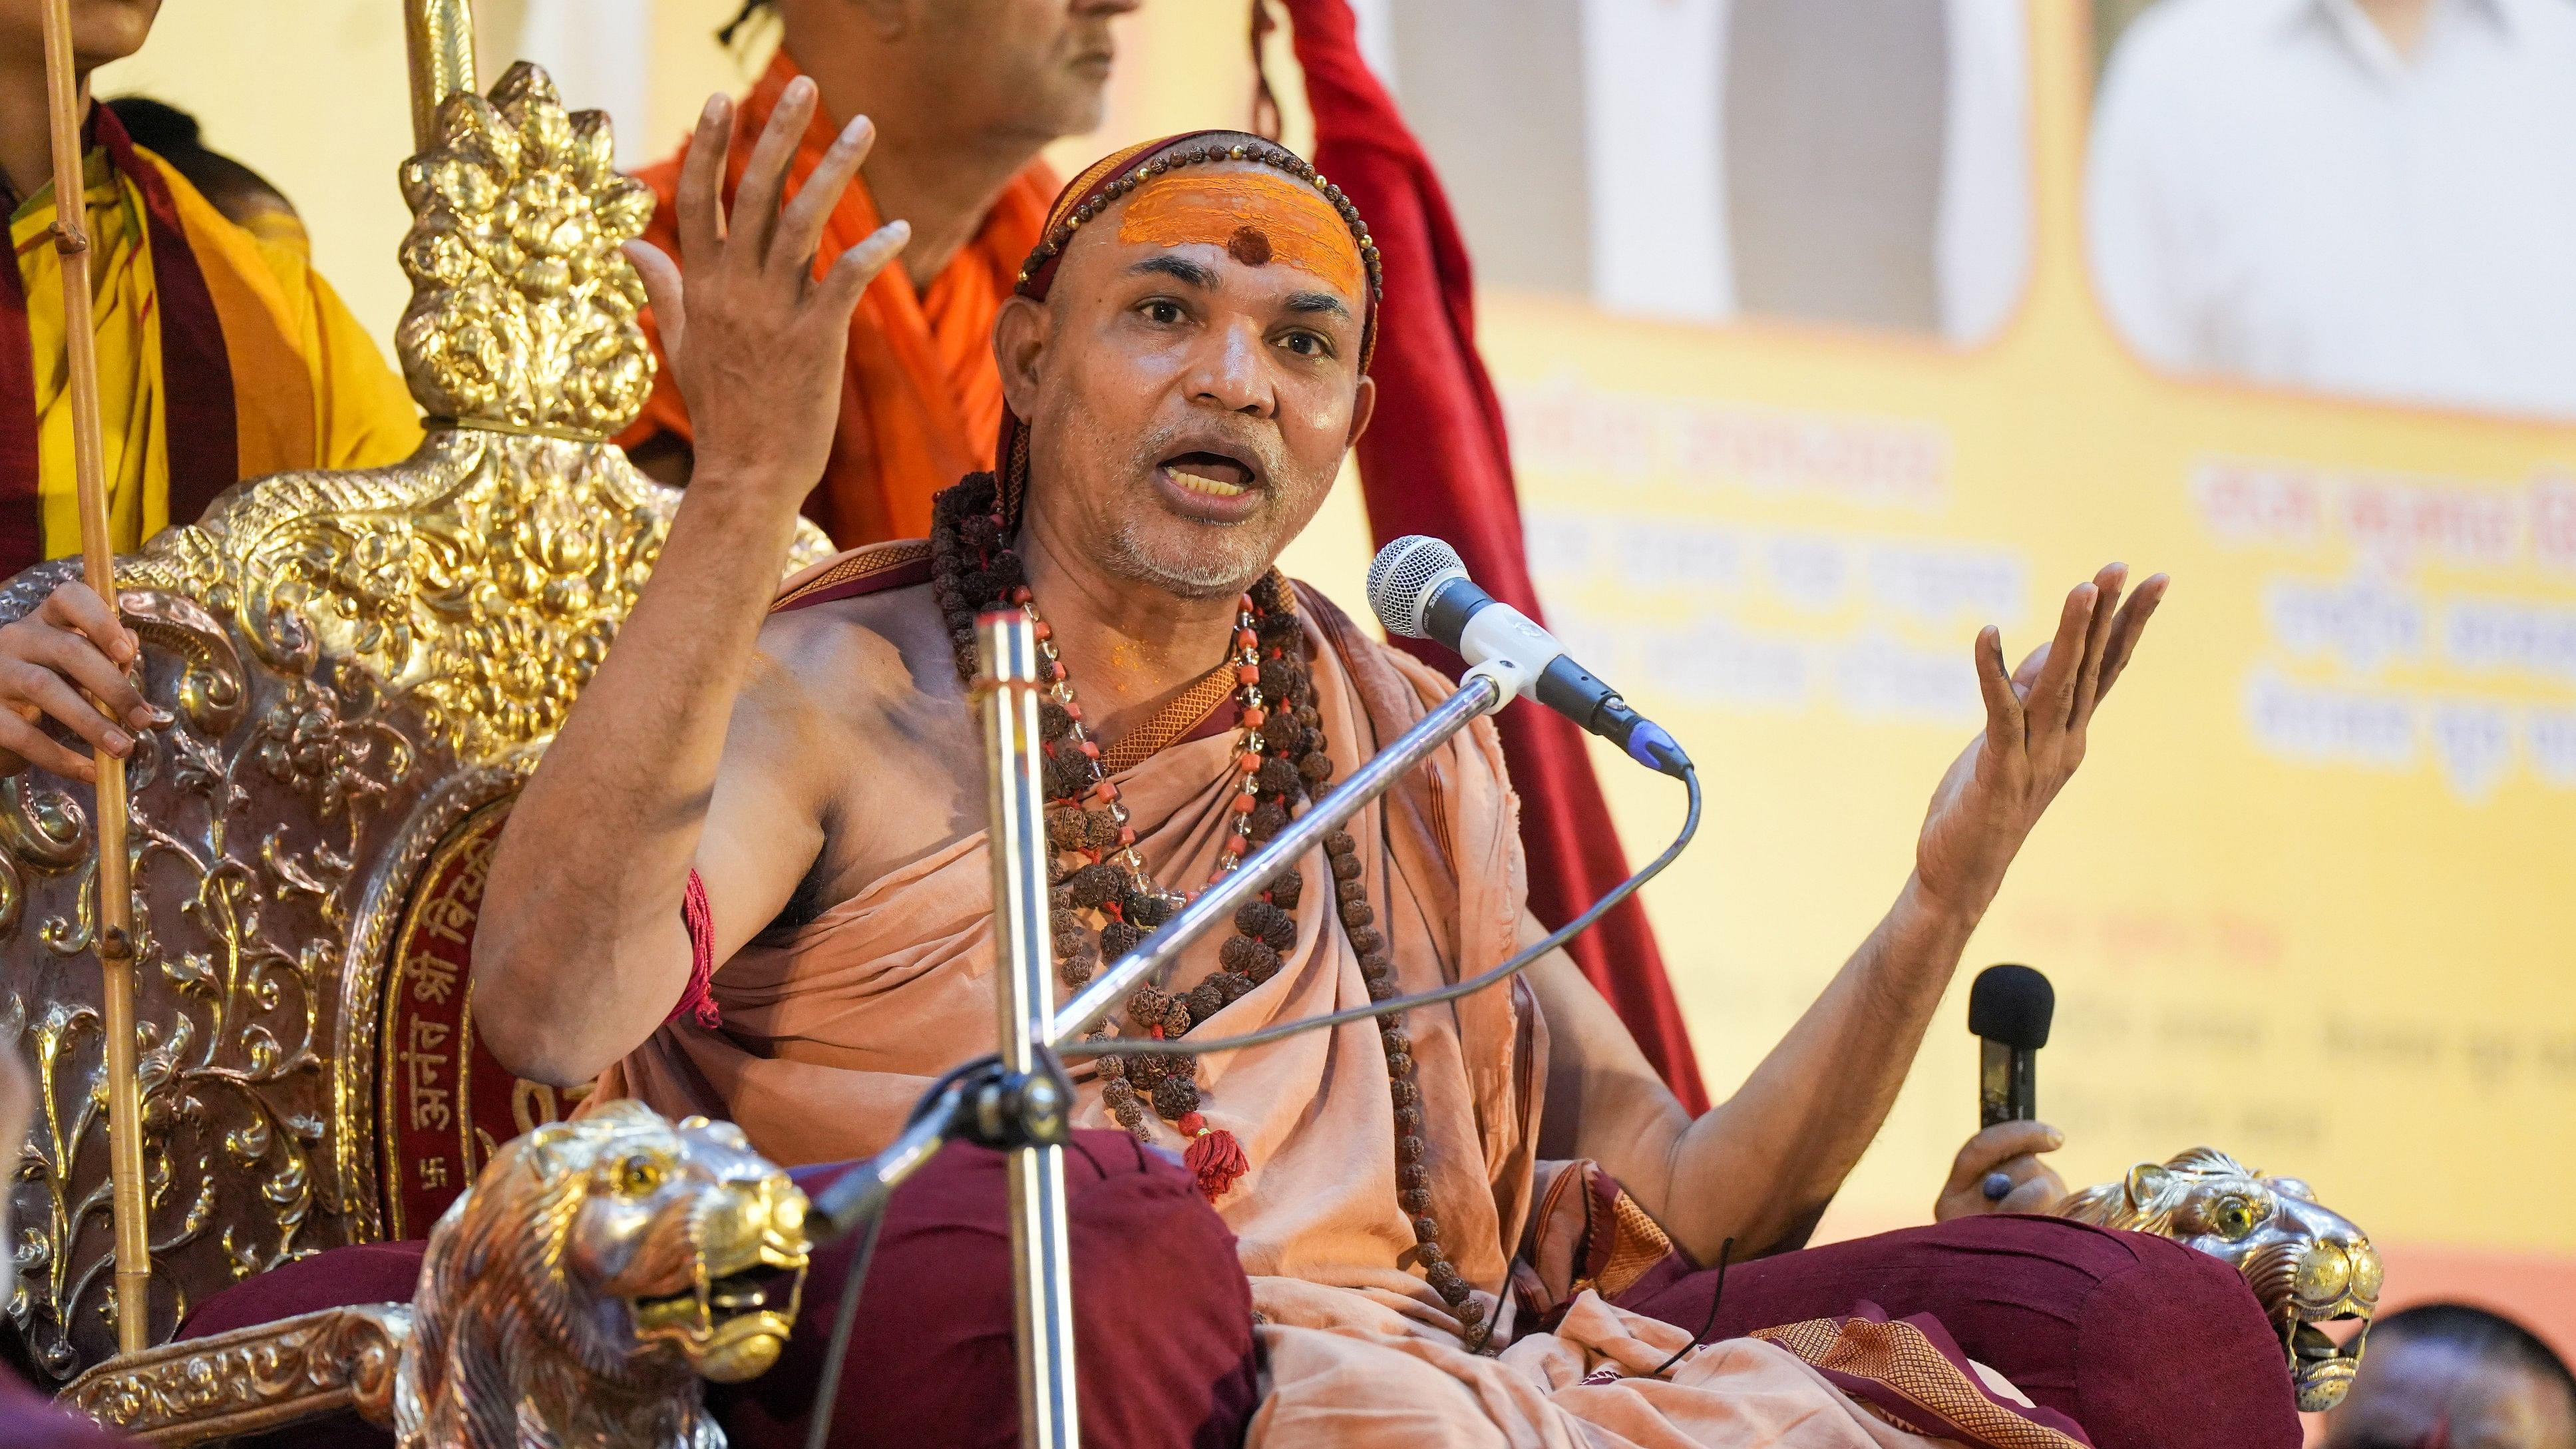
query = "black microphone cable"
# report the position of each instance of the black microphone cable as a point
(1122, 1046)
(1725, 1256)
(845, 1318)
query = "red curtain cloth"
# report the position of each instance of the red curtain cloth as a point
(1437, 461)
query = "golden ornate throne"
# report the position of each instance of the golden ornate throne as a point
(363, 667)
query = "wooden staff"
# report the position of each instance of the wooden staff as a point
(98, 569)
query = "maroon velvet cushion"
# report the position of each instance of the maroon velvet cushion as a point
(29, 1420)
(1163, 1314)
(368, 1273)
(2144, 1342)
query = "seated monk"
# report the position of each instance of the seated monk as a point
(1428, 1213)
(221, 356)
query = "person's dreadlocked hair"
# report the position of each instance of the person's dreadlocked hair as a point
(741, 18)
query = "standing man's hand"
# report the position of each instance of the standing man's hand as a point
(754, 340)
(2035, 726)
(1999, 1171)
(72, 642)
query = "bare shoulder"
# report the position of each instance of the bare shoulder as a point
(858, 703)
(860, 657)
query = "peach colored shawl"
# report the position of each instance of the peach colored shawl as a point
(830, 1035)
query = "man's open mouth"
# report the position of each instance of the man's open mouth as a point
(1211, 475)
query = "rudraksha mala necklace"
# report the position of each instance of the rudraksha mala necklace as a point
(1281, 759)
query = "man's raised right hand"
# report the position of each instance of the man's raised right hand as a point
(72, 642)
(755, 342)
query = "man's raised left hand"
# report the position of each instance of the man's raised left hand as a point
(2036, 720)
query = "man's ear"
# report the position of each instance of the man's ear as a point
(1020, 336)
(1363, 408)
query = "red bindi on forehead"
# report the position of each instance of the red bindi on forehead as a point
(1249, 246)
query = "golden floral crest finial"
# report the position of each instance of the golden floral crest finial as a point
(523, 310)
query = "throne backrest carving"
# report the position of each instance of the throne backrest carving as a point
(363, 667)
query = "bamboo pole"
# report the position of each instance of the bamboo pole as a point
(98, 567)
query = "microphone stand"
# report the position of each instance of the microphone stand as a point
(1018, 1100)
(1480, 692)
(1041, 1226)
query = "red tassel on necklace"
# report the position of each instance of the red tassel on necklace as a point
(1214, 1157)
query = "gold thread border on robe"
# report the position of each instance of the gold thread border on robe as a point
(1170, 722)
(1898, 1356)
(857, 564)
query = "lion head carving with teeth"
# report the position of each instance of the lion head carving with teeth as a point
(2307, 1265)
(594, 1274)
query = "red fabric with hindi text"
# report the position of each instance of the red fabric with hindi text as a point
(1437, 461)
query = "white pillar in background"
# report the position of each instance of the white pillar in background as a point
(1982, 255)
(600, 53)
(1655, 95)
(1377, 37)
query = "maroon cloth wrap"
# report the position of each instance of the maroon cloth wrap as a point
(196, 370)
(1437, 461)
(29, 1420)
(1163, 1314)
(2144, 1342)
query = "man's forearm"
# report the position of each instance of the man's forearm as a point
(580, 948)
(1763, 1162)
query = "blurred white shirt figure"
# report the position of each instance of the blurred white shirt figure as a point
(2282, 193)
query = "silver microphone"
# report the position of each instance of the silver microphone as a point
(1419, 588)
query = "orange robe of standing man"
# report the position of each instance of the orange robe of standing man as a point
(921, 401)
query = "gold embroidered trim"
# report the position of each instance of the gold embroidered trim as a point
(1640, 1245)
(1899, 1356)
(1170, 722)
(857, 564)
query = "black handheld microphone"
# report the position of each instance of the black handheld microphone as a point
(2010, 1007)
(1420, 589)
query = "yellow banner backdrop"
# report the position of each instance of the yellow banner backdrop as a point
(2307, 901)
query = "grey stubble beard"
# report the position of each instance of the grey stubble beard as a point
(1212, 575)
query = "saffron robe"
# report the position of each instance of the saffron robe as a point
(831, 1032)
(220, 357)
(921, 401)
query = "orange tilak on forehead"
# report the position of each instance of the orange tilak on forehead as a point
(1256, 217)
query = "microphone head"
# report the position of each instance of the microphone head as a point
(1402, 580)
(2012, 1005)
